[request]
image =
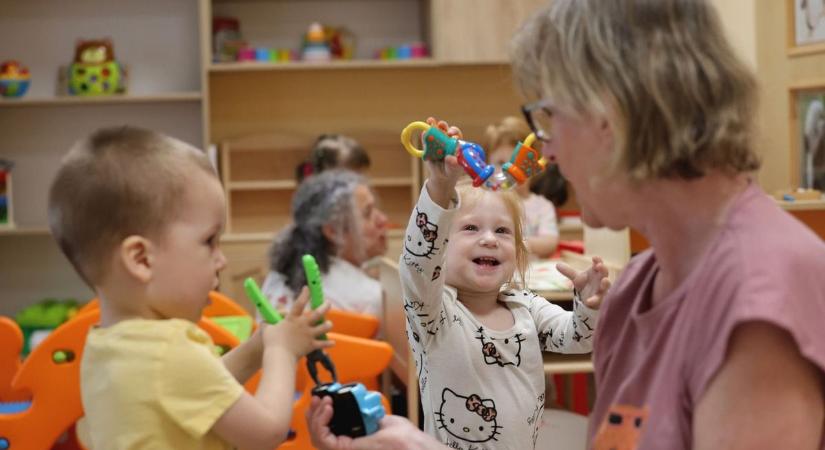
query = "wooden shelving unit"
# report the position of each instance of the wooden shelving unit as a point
(158, 41)
(175, 88)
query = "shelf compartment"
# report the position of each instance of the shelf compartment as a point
(374, 24)
(259, 211)
(396, 202)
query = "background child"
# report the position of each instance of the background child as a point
(333, 151)
(477, 346)
(541, 230)
(139, 216)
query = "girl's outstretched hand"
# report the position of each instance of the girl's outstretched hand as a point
(592, 283)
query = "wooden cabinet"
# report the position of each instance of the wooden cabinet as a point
(158, 41)
(474, 31)
(176, 89)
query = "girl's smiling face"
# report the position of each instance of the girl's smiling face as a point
(481, 252)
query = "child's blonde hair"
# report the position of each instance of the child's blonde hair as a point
(118, 182)
(509, 132)
(470, 196)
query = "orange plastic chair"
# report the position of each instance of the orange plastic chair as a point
(220, 305)
(55, 386)
(356, 360)
(12, 339)
(353, 324)
(52, 374)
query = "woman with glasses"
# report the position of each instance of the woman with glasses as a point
(713, 337)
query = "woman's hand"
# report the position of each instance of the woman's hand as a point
(394, 432)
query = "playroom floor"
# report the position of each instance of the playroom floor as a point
(562, 430)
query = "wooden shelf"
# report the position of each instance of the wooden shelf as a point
(558, 363)
(802, 205)
(253, 66)
(261, 185)
(247, 237)
(171, 97)
(266, 237)
(391, 182)
(25, 231)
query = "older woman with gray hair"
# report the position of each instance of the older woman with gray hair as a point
(336, 220)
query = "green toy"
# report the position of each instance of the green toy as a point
(46, 315)
(95, 70)
(270, 315)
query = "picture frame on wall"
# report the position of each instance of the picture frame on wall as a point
(808, 135)
(806, 26)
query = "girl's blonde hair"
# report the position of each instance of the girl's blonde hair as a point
(470, 196)
(681, 101)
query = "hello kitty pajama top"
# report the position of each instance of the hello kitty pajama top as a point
(480, 388)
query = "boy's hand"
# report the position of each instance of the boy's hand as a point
(592, 283)
(443, 175)
(298, 331)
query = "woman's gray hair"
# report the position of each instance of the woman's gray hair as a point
(323, 199)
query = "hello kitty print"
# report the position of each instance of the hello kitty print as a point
(469, 418)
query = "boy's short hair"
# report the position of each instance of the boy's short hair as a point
(118, 182)
(470, 195)
(682, 100)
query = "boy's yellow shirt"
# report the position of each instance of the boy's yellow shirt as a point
(153, 384)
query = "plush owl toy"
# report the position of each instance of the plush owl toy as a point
(95, 71)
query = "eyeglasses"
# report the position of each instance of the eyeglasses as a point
(539, 117)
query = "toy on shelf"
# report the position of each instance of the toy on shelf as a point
(14, 79)
(227, 40)
(39, 320)
(341, 42)
(524, 163)
(415, 50)
(315, 46)
(6, 216)
(95, 70)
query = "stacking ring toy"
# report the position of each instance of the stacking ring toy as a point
(524, 163)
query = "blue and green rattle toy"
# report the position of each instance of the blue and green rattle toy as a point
(356, 411)
(524, 163)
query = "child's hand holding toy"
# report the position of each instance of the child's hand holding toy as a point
(443, 173)
(443, 143)
(299, 333)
